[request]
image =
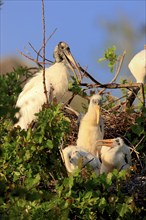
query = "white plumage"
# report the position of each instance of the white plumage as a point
(91, 126)
(57, 76)
(115, 155)
(137, 66)
(76, 157)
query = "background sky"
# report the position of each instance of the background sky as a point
(84, 25)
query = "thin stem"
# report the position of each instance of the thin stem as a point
(43, 50)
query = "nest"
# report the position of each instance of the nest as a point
(117, 124)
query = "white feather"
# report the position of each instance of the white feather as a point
(137, 66)
(91, 127)
(114, 157)
(72, 155)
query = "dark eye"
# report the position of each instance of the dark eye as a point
(118, 141)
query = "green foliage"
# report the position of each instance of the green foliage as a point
(10, 87)
(75, 88)
(110, 56)
(33, 180)
(138, 131)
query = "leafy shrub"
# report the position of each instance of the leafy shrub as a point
(33, 180)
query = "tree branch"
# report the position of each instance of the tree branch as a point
(43, 47)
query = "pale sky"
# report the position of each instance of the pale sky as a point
(79, 23)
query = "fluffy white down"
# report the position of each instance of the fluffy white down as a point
(32, 97)
(90, 130)
(114, 158)
(137, 66)
(72, 155)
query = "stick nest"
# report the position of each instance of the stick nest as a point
(118, 124)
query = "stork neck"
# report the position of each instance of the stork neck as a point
(92, 114)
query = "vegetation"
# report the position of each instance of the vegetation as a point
(33, 180)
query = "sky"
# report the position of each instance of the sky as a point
(82, 24)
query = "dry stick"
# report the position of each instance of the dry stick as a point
(50, 62)
(68, 107)
(38, 63)
(88, 75)
(112, 86)
(43, 47)
(117, 72)
(133, 148)
(38, 53)
(143, 95)
(29, 58)
(134, 93)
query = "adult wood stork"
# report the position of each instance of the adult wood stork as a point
(77, 157)
(115, 154)
(57, 76)
(91, 126)
(137, 66)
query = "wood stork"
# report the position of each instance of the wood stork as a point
(77, 157)
(137, 66)
(115, 154)
(32, 97)
(91, 126)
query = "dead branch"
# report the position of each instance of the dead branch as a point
(38, 63)
(88, 75)
(117, 72)
(43, 48)
(49, 61)
(38, 53)
(112, 86)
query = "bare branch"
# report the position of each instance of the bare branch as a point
(43, 47)
(111, 86)
(88, 75)
(49, 61)
(37, 62)
(38, 53)
(118, 70)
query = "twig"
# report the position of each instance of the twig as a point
(133, 148)
(140, 141)
(38, 63)
(72, 110)
(39, 54)
(119, 67)
(43, 47)
(29, 58)
(112, 86)
(88, 75)
(117, 72)
(143, 95)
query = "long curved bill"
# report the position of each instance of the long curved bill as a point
(105, 142)
(72, 63)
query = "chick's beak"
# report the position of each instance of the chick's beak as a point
(97, 109)
(105, 142)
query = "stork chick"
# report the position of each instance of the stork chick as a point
(91, 126)
(115, 154)
(57, 76)
(76, 157)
